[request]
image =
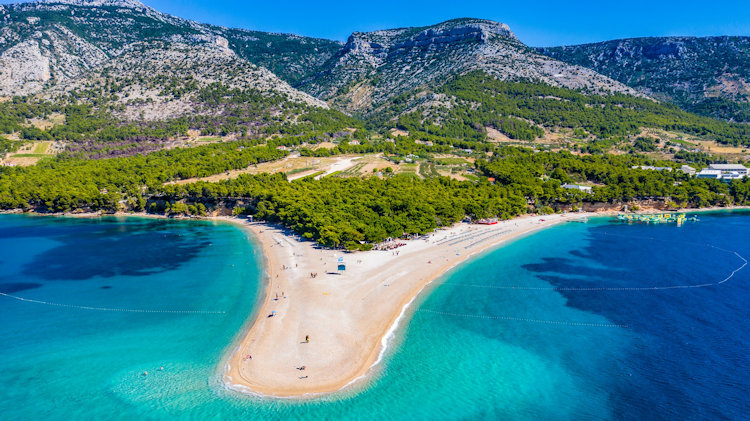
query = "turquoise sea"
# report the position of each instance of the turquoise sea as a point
(570, 323)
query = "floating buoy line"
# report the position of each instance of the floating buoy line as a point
(649, 288)
(122, 310)
(616, 289)
(443, 313)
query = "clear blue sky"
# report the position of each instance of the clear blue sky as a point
(537, 23)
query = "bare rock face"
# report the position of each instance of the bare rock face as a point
(23, 69)
(53, 55)
(55, 46)
(376, 66)
(146, 73)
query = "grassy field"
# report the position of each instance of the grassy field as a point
(299, 170)
(207, 139)
(40, 148)
(30, 155)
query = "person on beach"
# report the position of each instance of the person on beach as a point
(307, 338)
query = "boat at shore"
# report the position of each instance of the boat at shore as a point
(656, 218)
(487, 221)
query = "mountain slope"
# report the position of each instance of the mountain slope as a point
(52, 42)
(110, 78)
(375, 66)
(708, 75)
(161, 80)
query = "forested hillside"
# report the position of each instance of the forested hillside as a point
(464, 107)
(352, 212)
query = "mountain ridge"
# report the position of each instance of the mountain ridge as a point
(55, 42)
(373, 67)
(709, 75)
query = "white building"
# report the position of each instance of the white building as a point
(733, 176)
(730, 168)
(708, 173)
(586, 189)
(651, 168)
(687, 169)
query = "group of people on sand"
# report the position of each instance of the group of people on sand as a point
(390, 246)
(313, 274)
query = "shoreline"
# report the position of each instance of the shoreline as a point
(358, 340)
(245, 376)
(249, 385)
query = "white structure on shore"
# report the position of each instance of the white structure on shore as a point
(724, 172)
(586, 189)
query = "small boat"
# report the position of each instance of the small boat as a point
(487, 221)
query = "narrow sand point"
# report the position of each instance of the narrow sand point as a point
(349, 316)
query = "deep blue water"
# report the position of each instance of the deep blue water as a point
(536, 329)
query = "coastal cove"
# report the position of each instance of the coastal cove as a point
(491, 336)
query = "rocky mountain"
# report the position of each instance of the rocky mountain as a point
(50, 43)
(708, 75)
(60, 47)
(115, 77)
(375, 66)
(162, 80)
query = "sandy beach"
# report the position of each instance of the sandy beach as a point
(349, 316)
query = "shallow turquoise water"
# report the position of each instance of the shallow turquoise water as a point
(482, 345)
